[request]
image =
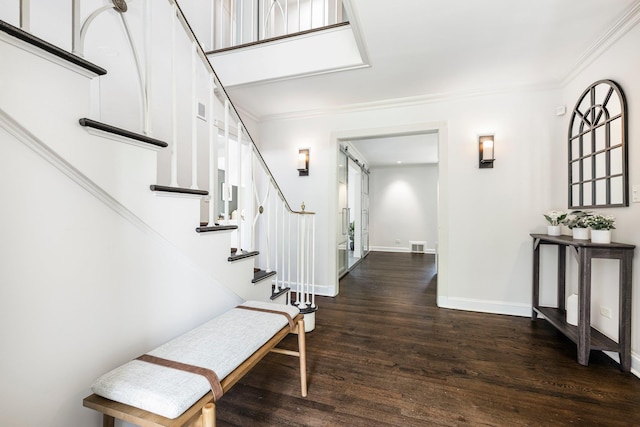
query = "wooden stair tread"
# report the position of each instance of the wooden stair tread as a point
(275, 294)
(50, 48)
(242, 255)
(86, 122)
(207, 229)
(178, 190)
(261, 275)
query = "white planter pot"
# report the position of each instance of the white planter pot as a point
(553, 230)
(600, 236)
(581, 233)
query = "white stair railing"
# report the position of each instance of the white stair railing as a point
(292, 233)
(266, 222)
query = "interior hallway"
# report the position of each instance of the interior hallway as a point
(383, 354)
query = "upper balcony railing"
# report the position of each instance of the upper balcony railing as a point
(241, 22)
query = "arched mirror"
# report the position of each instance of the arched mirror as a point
(598, 148)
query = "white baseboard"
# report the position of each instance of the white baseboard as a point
(320, 290)
(485, 306)
(397, 249)
(635, 364)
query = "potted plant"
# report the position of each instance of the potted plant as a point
(352, 226)
(578, 222)
(601, 226)
(554, 218)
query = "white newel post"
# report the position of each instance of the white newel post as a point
(282, 238)
(299, 249)
(313, 261)
(307, 254)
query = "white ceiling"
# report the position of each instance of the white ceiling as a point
(398, 150)
(425, 49)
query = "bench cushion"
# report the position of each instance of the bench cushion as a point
(221, 344)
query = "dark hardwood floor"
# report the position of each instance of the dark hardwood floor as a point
(383, 354)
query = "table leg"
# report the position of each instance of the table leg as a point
(535, 299)
(584, 305)
(624, 316)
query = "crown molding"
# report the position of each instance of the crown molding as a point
(411, 101)
(621, 27)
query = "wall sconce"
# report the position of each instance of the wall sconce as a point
(303, 162)
(486, 151)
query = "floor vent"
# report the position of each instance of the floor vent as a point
(418, 247)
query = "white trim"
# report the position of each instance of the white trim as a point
(160, 193)
(485, 306)
(322, 290)
(625, 23)
(411, 101)
(354, 22)
(28, 47)
(398, 249)
(409, 129)
(635, 364)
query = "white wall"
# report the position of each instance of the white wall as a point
(403, 201)
(485, 215)
(83, 291)
(620, 64)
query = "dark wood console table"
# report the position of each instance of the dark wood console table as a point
(586, 337)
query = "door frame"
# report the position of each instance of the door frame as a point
(443, 171)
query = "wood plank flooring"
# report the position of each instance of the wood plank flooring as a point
(383, 354)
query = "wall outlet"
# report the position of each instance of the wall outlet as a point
(605, 311)
(397, 240)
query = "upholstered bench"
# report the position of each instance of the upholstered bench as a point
(178, 383)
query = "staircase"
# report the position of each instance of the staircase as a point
(165, 168)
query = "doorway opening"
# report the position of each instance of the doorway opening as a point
(387, 189)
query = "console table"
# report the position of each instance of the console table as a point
(586, 337)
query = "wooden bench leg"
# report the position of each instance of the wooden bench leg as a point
(302, 350)
(209, 415)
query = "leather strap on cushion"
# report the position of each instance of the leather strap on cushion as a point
(266, 310)
(209, 374)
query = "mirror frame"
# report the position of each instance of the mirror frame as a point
(591, 153)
